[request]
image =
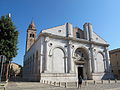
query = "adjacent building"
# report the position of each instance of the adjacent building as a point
(63, 53)
(115, 62)
(15, 70)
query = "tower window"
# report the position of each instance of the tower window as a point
(32, 35)
(82, 55)
(77, 35)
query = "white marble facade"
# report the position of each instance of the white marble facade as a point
(63, 53)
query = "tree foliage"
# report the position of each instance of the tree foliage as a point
(8, 37)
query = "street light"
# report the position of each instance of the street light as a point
(2, 60)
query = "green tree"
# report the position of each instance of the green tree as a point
(8, 41)
(8, 38)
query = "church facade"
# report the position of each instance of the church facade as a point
(63, 53)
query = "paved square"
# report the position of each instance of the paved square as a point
(40, 86)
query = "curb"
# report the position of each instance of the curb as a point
(4, 85)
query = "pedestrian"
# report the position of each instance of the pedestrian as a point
(79, 81)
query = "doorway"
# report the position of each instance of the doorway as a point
(80, 72)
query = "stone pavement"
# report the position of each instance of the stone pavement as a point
(41, 86)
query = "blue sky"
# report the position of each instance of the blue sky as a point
(103, 14)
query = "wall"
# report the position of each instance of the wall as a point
(115, 62)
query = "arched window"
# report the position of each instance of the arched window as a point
(32, 35)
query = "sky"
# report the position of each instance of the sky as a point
(103, 14)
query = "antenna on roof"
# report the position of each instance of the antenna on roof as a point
(32, 21)
(9, 15)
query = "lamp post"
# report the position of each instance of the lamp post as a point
(2, 60)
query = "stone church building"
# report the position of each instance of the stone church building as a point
(63, 53)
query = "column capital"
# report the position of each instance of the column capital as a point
(47, 39)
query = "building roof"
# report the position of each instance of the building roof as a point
(32, 26)
(115, 50)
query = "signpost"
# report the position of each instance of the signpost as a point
(2, 60)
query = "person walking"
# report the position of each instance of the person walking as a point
(79, 81)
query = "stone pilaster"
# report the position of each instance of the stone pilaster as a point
(90, 68)
(70, 67)
(90, 30)
(86, 33)
(66, 64)
(45, 53)
(107, 60)
(41, 63)
(69, 30)
(104, 64)
(92, 58)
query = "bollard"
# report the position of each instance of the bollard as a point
(85, 83)
(59, 84)
(109, 81)
(76, 84)
(50, 82)
(102, 81)
(94, 82)
(54, 83)
(115, 80)
(65, 84)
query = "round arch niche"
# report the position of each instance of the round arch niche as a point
(81, 54)
(81, 60)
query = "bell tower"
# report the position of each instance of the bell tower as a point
(31, 36)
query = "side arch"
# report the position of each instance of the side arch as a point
(101, 54)
(100, 64)
(60, 47)
(59, 62)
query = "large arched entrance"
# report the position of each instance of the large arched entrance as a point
(81, 62)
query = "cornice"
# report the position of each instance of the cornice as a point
(67, 38)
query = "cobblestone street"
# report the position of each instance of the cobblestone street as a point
(40, 86)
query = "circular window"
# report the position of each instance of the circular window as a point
(50, 44)
(96, 38)
(59, 30)
(72, 46)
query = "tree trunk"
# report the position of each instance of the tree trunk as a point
(5, 71)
